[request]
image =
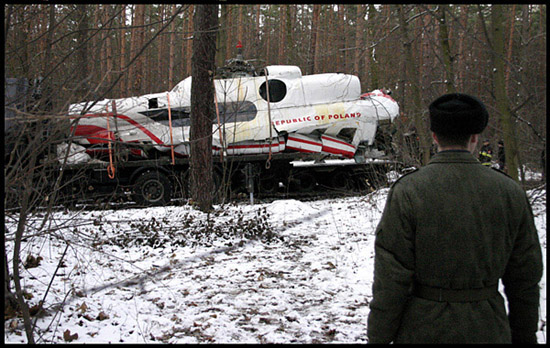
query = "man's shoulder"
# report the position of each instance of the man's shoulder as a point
(409, 173)
(505, 179)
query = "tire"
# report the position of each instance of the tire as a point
(268, 186)
(152, 188)
(340, 181)
(303, 182)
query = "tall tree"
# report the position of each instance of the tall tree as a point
(359, 32)
(82, 51)
(412, 76)
(282, 31)
(124, 77)
(446, 56)
(499, 52)
(172, 51)
(202, 105)
(229, 30)
(372, 61)
(138, 36)
(189, 41)
(339, 35)
(461, 54)
(315, 38)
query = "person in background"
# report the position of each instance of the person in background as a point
(450, 232)
(486, 153)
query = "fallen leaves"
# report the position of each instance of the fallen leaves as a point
(68, 337)
(32, 262)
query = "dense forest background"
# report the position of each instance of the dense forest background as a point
(496, 52)
(88, 52)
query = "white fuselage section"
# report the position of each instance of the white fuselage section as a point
(309, 107)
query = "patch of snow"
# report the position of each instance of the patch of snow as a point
(310, 284)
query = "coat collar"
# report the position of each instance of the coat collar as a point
(454, 156)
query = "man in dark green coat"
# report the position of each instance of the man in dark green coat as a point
(449, 233)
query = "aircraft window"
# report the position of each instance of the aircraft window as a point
(229, 112)
(277, 91)
(153, 103)
(236, 112)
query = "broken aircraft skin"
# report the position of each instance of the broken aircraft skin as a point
(320, 113)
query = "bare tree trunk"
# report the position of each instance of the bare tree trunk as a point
(508, 128)
(82, 50)
(189, 43)
(230, 39)
(359, 32)
(102, 43)
(202, 105)
(162, 51)
(446, 50)
(240, 24)
(258, 29)
(510, 46)
(416, 96)
(372, 61)
(23, 213)
(124, 78)
(282, 25)
(315, 38)
(268, 47)
(172, 62)
(461, 51)
(109, 12)
(289, 51)
(340, 40)
(139, 40)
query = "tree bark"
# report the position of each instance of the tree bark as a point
(359, 31)
(508, 128)
(172, 54)
(372, 61)
(461, 51)
(416, 95)
(124, 78)
(202, 105)
(83, 50)
(189, 43)
(315, 38)
(282, 25)
(446, 50)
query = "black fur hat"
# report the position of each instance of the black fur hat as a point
(458, 113)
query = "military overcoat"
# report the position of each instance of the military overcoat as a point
(455, 224)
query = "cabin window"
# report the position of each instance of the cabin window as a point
(277, 91)
(153, 103)
(242, 111)
(236, 112)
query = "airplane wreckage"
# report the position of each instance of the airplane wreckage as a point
(275, 130)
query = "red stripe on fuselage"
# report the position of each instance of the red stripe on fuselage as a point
(337, 151)
(127, 119)
(304, 141)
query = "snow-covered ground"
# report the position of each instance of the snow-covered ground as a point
(176, 275)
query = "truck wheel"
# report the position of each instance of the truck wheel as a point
(340, 181)
(268, 185)
(302, 182)
(152, 188)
